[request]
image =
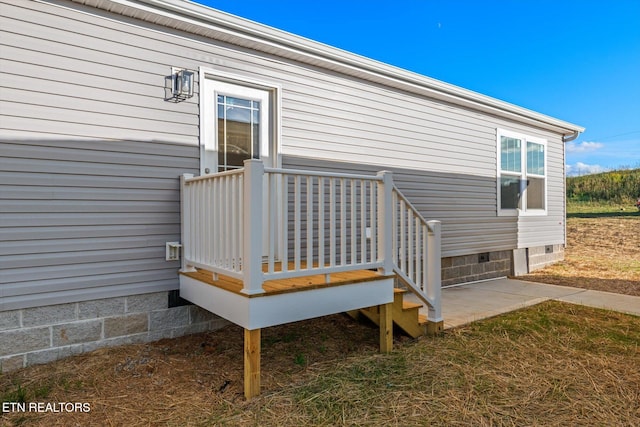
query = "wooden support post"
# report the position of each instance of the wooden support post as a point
(251, 363)
(386, 327)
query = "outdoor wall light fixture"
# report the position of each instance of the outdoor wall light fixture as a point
(182, 84)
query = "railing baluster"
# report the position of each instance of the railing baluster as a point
(417, 229)
(343, 222)
(410, 240)
(233, 224)
(227, 215)
(403, 232)
(272, 220)
(373, 220)
(194, 220)
(321, 222)
(332, 222)
(284, 232)
(240, 213)
(354, 222)
(310, 243)
(363, 222)
(296, 222)
(220, 224)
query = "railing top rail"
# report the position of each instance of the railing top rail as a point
(214, 175)
(410, 205)
(322, 174)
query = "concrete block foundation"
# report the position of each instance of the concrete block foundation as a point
(39, 335)
(470, 268)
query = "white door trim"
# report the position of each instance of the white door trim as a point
(209, 80)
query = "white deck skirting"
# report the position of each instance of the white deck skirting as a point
(276, 309)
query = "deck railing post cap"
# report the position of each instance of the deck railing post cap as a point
(433, 225)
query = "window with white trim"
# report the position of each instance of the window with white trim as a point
(522, 174)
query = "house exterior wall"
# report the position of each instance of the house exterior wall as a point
(91, 151)
(88, 219)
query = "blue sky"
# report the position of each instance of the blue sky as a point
(578, 61)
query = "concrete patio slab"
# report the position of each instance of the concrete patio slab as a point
(466, 303)
(607, 300)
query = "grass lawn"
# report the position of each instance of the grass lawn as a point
(603, 253)
(551, 364)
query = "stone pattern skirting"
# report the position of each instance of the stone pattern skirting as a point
(469, 268)
(43, 334)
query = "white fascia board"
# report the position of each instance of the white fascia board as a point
(203, 20)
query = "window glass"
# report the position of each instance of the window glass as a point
(238, 131)
(510, 154)
(535, 158)
(509, 192)
(535, 193)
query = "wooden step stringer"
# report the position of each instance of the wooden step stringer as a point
(405, 315)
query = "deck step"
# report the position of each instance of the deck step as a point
(406, 306)
(422, 319)
(406, 315)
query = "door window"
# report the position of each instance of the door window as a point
(235, 126)
(238, 136)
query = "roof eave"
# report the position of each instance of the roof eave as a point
(198, 19)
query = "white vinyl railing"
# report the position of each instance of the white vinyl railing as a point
(212, 228)
(320, 223)
(416, 253)
(258, 224)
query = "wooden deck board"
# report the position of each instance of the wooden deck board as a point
(280, 286)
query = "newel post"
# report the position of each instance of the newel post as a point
(185, 223)
(434, 288)
(252, 226)
(385, 221)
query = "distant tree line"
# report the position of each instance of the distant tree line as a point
(619, 186)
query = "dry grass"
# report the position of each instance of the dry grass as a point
(552, 364)
(602, 254)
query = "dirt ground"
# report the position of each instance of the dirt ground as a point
(602, 254)
(197, 380)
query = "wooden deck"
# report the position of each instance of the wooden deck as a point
(282, 286)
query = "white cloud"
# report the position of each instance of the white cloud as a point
(583, 147)
(584, 169)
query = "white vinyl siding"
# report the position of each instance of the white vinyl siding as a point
(91, 141)
(88, 219)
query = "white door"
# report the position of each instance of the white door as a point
(236, 126)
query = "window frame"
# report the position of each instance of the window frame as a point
(524, 175)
